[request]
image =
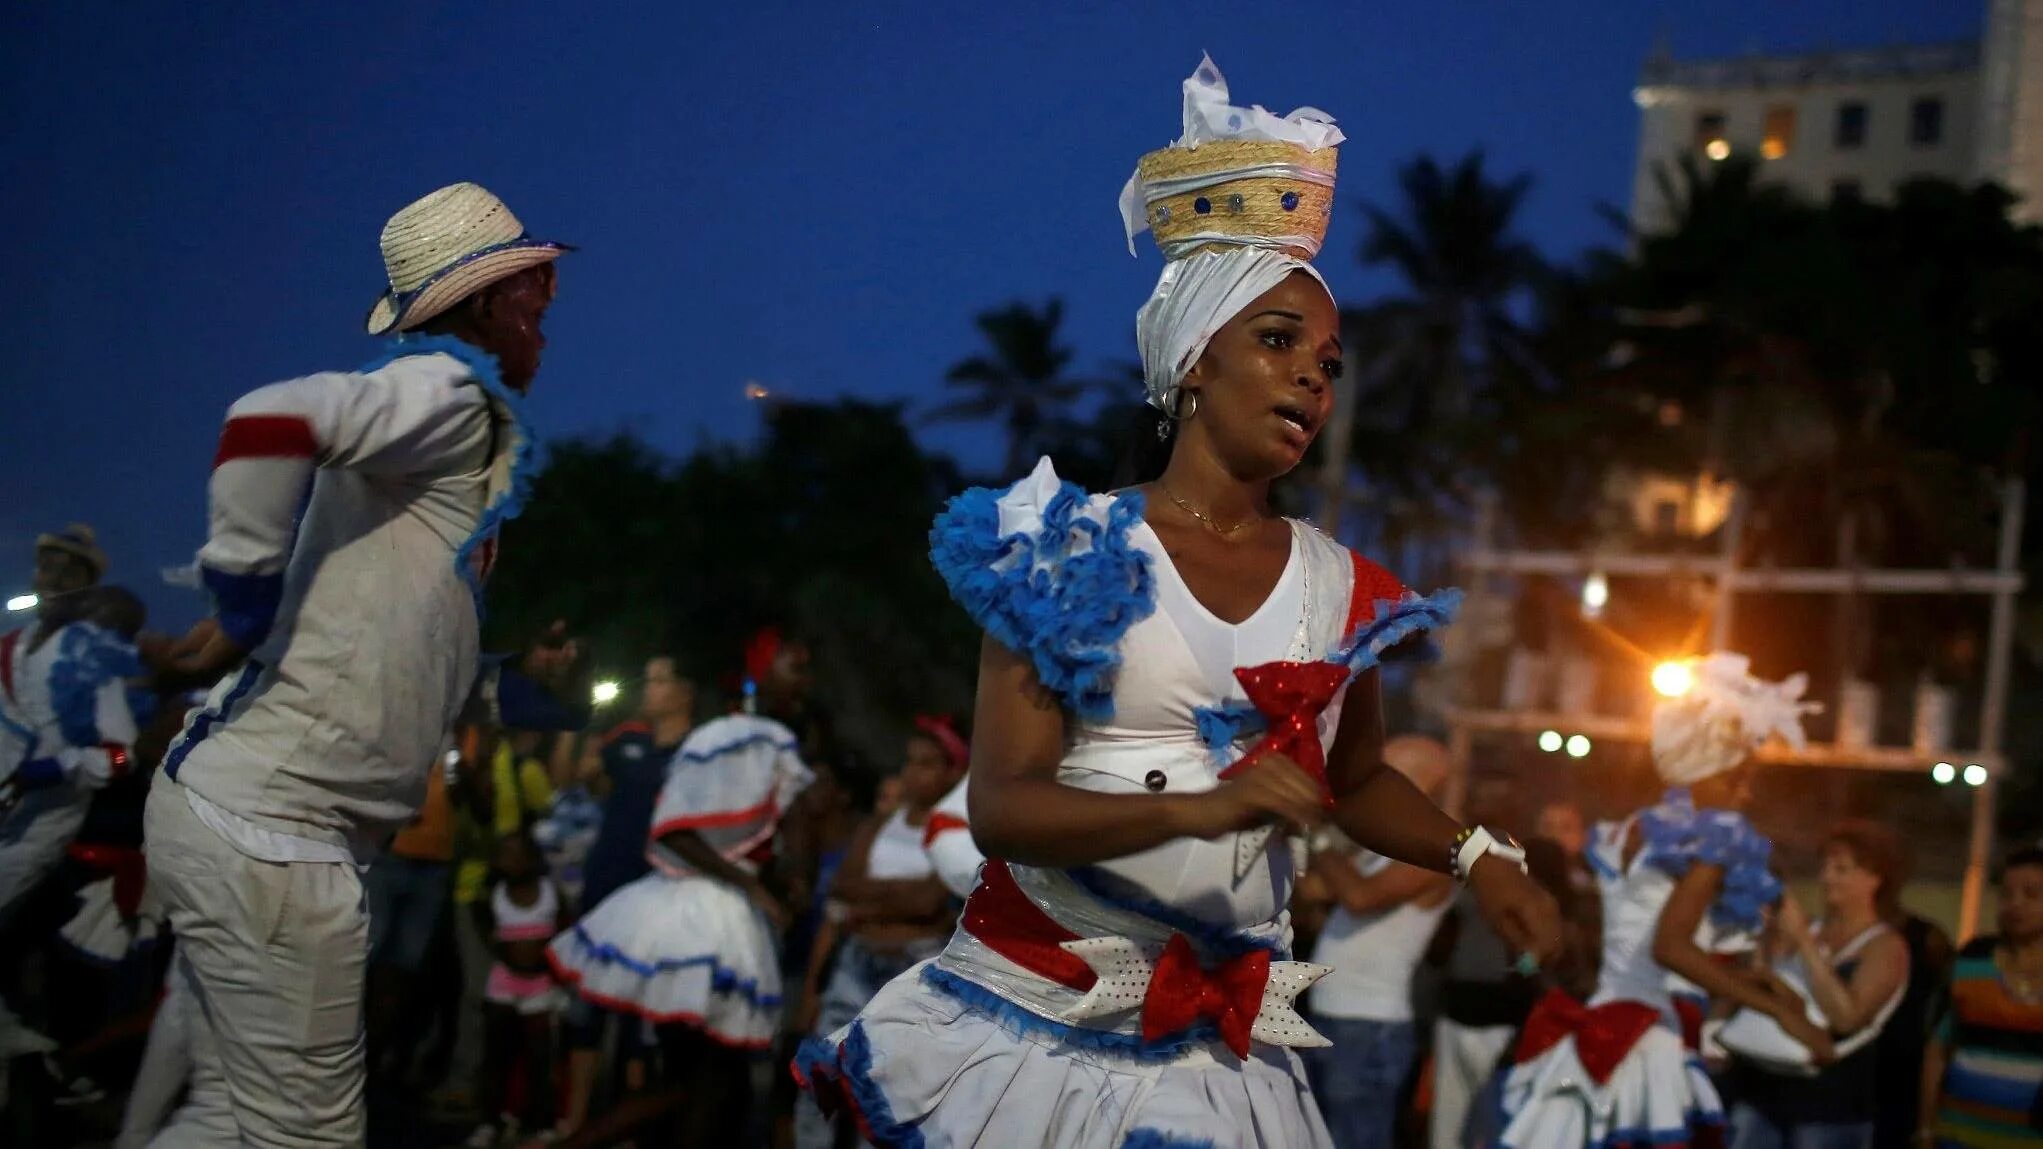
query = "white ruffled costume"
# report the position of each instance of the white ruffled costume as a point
(1624, 1074)
(1032, 1017)
(676, 946)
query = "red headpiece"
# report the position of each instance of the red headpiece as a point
(938, 728)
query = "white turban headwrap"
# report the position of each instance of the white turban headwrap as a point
(1198, 294)
(1723, 718)
(1194, 299)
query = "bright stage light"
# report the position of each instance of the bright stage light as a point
(1673, 679)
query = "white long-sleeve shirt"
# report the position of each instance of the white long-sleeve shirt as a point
(353, 519)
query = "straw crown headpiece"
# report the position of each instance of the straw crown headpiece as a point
(1238, 177)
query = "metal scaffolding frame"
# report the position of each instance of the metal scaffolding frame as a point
(2003, 585)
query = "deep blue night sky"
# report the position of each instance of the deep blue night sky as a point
(817, 196)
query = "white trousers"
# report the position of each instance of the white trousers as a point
(1463, 1060)
(273, 955)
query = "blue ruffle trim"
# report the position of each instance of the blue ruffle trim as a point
(1675, 835)
(1217, 939)
(482, 367)
(1157, 1139)
(1233, 723)
(88, 658)
(1063, 611)
(1023, 1021)
(849, 1067)
(721, 979)
(1394, 623)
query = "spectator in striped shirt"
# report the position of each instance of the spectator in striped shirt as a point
(1981, 1078)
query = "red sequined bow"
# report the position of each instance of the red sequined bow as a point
(1290, 696)
(1603, 1035)
(1182, 993)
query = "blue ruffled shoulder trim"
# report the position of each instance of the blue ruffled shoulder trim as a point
(472, 558)
(1235, 722)
(1675, 835)
(88, 657)
(1063, 597)
(1394, 622)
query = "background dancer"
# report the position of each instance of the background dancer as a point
(1617, 1073)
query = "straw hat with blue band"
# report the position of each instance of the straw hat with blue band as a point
(445, 247)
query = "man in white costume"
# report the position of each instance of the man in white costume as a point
(354, 518)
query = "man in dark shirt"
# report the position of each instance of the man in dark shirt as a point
(635, 760)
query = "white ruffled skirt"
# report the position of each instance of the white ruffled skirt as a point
(690, 951)
(1659, 1096)
(923, 1066)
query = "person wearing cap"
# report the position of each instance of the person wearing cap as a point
(354, 521)
(1176, 683)
(66, 561)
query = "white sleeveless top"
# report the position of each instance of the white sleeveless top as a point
(1373, 955)
(516, 923)
(897, 852)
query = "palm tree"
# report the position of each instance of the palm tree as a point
(1425, 361)
(1019, 380)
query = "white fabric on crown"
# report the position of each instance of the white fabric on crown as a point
(1194, 298)
(1725, 716)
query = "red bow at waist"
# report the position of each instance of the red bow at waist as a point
(1291, 696)
(1603, 1035)
(124, 865)
(1182, 994)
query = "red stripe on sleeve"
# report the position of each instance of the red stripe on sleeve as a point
(1373, 584)
(940, 823)
(266, 437)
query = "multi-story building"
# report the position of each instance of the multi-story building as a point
(1857, 122)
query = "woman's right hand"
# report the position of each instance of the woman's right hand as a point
(1273, 791)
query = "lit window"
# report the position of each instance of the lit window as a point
(1709, 135)
(1926, 122)
(1780, 132)
(1851, 125)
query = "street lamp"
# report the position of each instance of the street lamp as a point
(1595, 595)
(605, 693)
(1579, 746)
(1975, 775)
(1550, 741)
(1943, 773)
(22, 602)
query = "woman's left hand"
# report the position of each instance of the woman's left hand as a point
(1525, 916)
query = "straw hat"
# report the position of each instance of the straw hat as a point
(80, 542)
(443, 248)
(1222, 193)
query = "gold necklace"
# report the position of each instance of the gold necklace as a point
(1202, 516)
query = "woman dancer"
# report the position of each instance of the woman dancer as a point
(1174, 682)
(693, 946)
(1617, 1073)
